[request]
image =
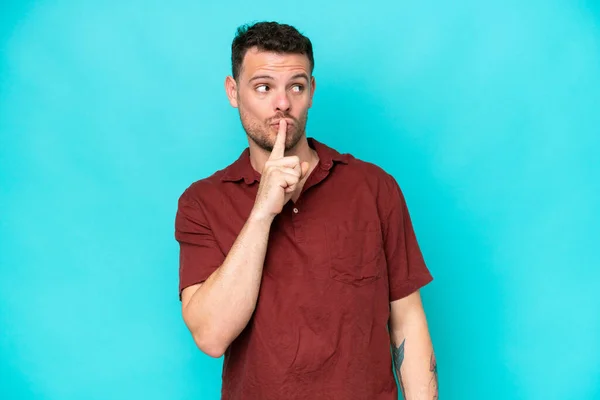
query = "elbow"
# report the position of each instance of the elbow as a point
(210, 345)
(210, 340)
(205, 339)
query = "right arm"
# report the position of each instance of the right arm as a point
(217, 310)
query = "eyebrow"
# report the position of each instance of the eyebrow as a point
(299, 75)
(260, 77)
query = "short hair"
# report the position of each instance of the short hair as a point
(268, 36)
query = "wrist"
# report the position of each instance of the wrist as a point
(260, 217)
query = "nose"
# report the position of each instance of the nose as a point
(282, 103)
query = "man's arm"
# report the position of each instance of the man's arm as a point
(412, 350)
(217, 310)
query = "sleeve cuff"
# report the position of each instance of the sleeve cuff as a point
(410, 287)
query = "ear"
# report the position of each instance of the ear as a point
(313, 86)
(231, 91)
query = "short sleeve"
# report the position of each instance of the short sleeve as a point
(407, 271)
(199, 253)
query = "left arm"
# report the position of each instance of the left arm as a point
(412, 350)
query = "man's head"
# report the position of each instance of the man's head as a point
(272, 67)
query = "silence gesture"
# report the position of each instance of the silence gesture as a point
(280, 178)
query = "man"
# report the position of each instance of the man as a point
(299, 263)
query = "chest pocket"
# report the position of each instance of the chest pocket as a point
(355, 250)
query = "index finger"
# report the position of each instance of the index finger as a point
(279, 146)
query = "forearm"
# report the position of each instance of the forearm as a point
(221, 308)
(414, 361)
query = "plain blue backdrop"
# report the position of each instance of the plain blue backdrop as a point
(486, 112)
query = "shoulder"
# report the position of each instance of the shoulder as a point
(204, 189)
(373, 174)
(371, 180)
(366, 168)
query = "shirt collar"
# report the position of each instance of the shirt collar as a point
(242, 168)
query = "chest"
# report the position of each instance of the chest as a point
(326, 246)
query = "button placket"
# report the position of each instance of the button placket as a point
(296, 223)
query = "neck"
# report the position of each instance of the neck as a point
(259, 156)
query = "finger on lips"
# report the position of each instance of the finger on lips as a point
(279, 146)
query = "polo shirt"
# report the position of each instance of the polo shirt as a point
(335, 260)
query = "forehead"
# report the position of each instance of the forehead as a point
(257, 61)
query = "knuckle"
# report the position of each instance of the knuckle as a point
(275, 172)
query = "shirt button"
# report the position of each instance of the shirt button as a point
(295, 211)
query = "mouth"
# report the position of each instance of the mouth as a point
(276, 123)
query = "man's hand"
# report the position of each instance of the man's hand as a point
(280, 178)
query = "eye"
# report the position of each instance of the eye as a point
(262, 88)
(298, 88)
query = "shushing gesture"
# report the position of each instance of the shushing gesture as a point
(281, 177)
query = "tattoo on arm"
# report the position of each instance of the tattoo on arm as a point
(434, 377)
(398, 357)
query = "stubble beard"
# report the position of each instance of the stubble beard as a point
(263, 134)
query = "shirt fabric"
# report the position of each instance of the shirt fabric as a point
(335, 260)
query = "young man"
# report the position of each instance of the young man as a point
(299, 263)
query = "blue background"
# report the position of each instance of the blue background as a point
(487, 113)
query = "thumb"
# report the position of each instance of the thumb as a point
(305, 166)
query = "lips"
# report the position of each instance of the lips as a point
(276, 123)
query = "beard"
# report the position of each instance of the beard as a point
(263, 134)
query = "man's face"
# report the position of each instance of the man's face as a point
(270, 87)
